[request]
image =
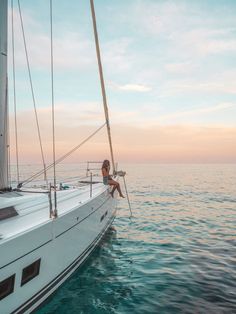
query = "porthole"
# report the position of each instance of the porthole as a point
(30, 272)
(7, 286)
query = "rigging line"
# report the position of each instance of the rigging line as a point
(53, 114)
(32, 92)
(127, 194)
(62, 157)
(8, 142)
(102, 82)
(14, 93)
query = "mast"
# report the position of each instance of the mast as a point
(102, 83)
(3, 97)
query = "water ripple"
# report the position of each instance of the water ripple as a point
(176, 255)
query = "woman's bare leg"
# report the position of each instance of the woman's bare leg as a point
(113, 190)
(119, 190)
(116, 185)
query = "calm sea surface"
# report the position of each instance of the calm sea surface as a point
(176, 255)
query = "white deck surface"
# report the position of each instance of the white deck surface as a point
(33, 208)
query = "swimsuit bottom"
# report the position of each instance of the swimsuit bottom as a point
(105, 180)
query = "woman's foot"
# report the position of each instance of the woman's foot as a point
(111, 194)
(121, 195)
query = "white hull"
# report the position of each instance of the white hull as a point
(61, 244)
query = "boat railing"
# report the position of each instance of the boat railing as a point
(93, 165)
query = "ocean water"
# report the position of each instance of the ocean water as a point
(177, 254)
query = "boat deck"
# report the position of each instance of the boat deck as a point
(32, 207)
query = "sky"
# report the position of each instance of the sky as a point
(170, 75)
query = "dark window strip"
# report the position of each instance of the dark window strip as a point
(30, 272)
(7, 286)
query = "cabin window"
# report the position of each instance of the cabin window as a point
(30, 272)
(7, 286)
(7, 212)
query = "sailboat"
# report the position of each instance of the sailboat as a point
(45, 234)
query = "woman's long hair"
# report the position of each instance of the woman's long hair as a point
(106, 164)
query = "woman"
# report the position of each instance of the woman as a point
(107, 179)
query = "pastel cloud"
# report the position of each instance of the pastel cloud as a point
(140, 88)
(117, 56)
(78, 50)
(217, 46)
(200, 43)
(72, 49)
(197, 111)
(180, 67)
(218, 85)
(187, 26)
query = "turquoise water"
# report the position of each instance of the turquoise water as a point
(176, 255)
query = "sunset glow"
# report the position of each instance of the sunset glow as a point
(170, 73)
